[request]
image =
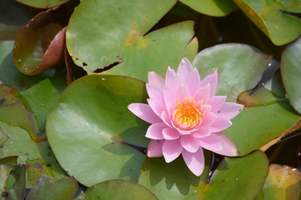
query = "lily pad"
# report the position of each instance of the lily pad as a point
(40, 44)
(92, 133)
(273, 18)
(41, 92)
(234, 178)
(216, 8)
(59, 190)
(122, 44)
(13, 17)
(20, 144)
(117, 189)
(290, 71)
(42, 3)
(241, 67)
(283, 182)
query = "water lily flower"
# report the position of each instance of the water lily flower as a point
(186, 116)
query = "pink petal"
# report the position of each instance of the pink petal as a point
(184, 69)
(202, 93)
(190, 143)
(154, 92)
(212, 142)
(213, 79)
(171, 149)
(154, 148)
(144, 112)
(171, 134)
(230, 110)
(172, 81)
(194, 161)
(193, 81)
(169, 97)
(229, 149)
(156, 80)
(216, 102)
(154, 131)
(221, 123)
(182, 92)
(201, 132)
(208, 120)
(157, 106)
(166, 119)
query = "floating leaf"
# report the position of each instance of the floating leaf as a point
(9, 159)
(216, 8)
(73, 71)
(60, 189)
(283, 182)
(91, 124)
(121, 45)
(117, 189)
(40, 44)
(235, 178)
(41, 91)
(290, 71)
(20, 144)
(42, 3)
(241, 67)
(13, 17)
(271, 17)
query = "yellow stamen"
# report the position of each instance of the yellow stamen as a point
(188, 114)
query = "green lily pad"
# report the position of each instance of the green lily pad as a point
(9, 159)
(216, 8)
(121, 44)
(271, 17)
(13, 17)
(40, 44)
(14, 111)
(93, 134)
(234, 178)
(241, 67)
(42, 3)
(60, 189)
(3, 137)
(117, 189)
(290, 71)
(41, 92)
(283, 182)
(20, 144)
(15, 183)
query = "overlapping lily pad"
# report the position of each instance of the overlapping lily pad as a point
(216, 8)
(283, 182)
(122, 44)
(60, 189)
(40, 44)
(235, 178)
(241, 68)
(117, 189)
(290, 71)
(271, 17)
(93, 134)
(42, 3)
(20, 144)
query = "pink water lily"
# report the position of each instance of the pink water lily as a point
(186, 116)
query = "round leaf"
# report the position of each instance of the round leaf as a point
(121, 42)
(234, 178)
(290, 71)
(271, 17)
(283, 182)
(216, 8)
(93, 134)
(42, 3)
(117, 190)
(241, 67)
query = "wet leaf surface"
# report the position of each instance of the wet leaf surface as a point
(83, 133)
(235, 178)
(117, 189)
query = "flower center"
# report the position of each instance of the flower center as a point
(188, 114)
